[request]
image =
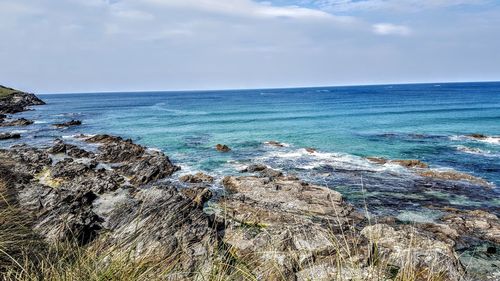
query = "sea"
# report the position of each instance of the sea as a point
(344, 125)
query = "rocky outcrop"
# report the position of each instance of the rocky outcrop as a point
(197, 178)
(21, 122)
(16, 101)
(78, 195)
(6, 136)
(222, 148)
(275, 143)
(68, 124)
(136, 162)
(407, 163)
(285, 229)
(454, 176)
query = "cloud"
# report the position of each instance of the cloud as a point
(113, 45)
(391, 29)
(395, 5)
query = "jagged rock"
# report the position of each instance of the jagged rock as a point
(115, 149)
(6, 136)
(197, 178)
(477, 136)
(69, 149)
(477, 223)
(267, 218)
(162, 222)
(412, 163)
(454, 176)
(26, 160)
(222, 148)
(262, 170)
(274, 143)
(16, 123)
(140, 164)
(311, 150)
(406, 248)
(68, 124)
(17, 101)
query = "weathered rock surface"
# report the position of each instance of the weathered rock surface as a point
(68, 124)
(16, 123)
(411, 163)
(6, 136)
(454, 176)
(286, 229)
(17, 101)
(197, 178)
(222, 148)
(72, 196)
(274, 143)
(141, 165)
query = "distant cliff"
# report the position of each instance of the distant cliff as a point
(14, 101)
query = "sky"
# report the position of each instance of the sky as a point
(54, 46)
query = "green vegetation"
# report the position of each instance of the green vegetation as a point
(4, 91)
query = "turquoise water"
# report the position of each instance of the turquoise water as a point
(426, 121)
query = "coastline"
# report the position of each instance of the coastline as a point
(121, 196)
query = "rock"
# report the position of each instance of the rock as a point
(6, 136)
(263, 170)
(17, 101)
(408, 249)
(16, 123)
(140, 164)
(405, 163)
(476, 223)
(477, 136)
(162, 222)
(411, 163)
(311, 150)
(197, 178)
(266, 221)
(115, 149)
(222, 148)
(454, 176)
(378, 160)
(274, 143)
(68, 124)
(69, 149)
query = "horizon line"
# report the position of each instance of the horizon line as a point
(267, 88)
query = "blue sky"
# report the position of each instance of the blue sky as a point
(132, 45)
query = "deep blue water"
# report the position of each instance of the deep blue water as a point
(425, 121)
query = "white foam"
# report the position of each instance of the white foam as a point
(477, 151)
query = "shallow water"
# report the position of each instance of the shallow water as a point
(426, 121)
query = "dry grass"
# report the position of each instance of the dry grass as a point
(23, 256)
(4, 91)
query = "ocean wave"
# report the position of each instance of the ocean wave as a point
(479, 138)
(477, 151)
(303, 159)
(163, 107)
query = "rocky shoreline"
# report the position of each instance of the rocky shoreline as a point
(112, 192)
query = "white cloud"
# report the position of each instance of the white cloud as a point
(398, 5)
(391, 29)
(92, 45)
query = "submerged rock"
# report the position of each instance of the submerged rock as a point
(454, 176)
(68, 124)
(222, 148)
(275, 143)
(407, 163)
(6, 136)
(197, 178)
(16, 123)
